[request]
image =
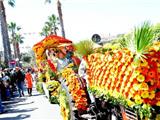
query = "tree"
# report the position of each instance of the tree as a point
(4, 31)
(15, 38)
(26, 58)
(60, 16)
(51, 26)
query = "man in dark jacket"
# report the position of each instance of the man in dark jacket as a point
(20, 77)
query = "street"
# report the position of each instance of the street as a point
(36, 107)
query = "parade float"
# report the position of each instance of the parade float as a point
(124, 80)
(71, 94)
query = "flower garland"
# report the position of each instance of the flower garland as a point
(77, 92)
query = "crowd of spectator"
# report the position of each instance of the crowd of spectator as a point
(13, 81)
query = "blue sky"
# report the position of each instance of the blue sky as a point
(83, 18)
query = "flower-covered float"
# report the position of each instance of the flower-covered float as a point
(72, 95)
(129, 76)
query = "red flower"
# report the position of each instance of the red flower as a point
(152, 73)
(143, 70)
(149, 101)
(153, 87)
(157, 96)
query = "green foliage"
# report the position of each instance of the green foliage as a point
(39, 87)
(54, 100)
(64, 103)
(84, 48)
(51, 26)
(140, 39)
(26, 59)
(142, 110)
(143, 36)
(52, 85)
(15, 35)
(54, 89)
(41, 77)
(52, 74)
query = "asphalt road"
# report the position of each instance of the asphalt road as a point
(36, 107)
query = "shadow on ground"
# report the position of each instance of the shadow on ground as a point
(19, 104)
(37, 94)
(20, 110)
(18, 117)
(14, 101)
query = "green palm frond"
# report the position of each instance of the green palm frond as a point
(143, 36)
(84, 48)
(141, 39)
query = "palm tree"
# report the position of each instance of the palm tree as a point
(4, 31)
(60, 16)
(45, 32)
(19, 39)
(50, 26)
(15, 38)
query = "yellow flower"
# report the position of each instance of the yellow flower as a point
(143, 63)
(130, 103)
(144, 94)
(134, 65)
(136, 73)
(136, 87)
(115, 94)
(158, 103)
(138, 100)
(144, 86)
(151, 95)
(137, 97)
(125, 77)
(140, 78)
(123, 68)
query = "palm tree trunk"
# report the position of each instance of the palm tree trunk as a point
(5, 38)
(14, 48)
(60, 17)
(18, 50)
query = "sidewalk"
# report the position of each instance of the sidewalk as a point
(36, 107)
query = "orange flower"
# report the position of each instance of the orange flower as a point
(158, 104)
(144, 63)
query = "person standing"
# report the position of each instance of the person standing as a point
(29, 81)
(1, 107)
(20, 77)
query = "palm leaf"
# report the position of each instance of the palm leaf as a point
(141, 39)
(84, 48)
